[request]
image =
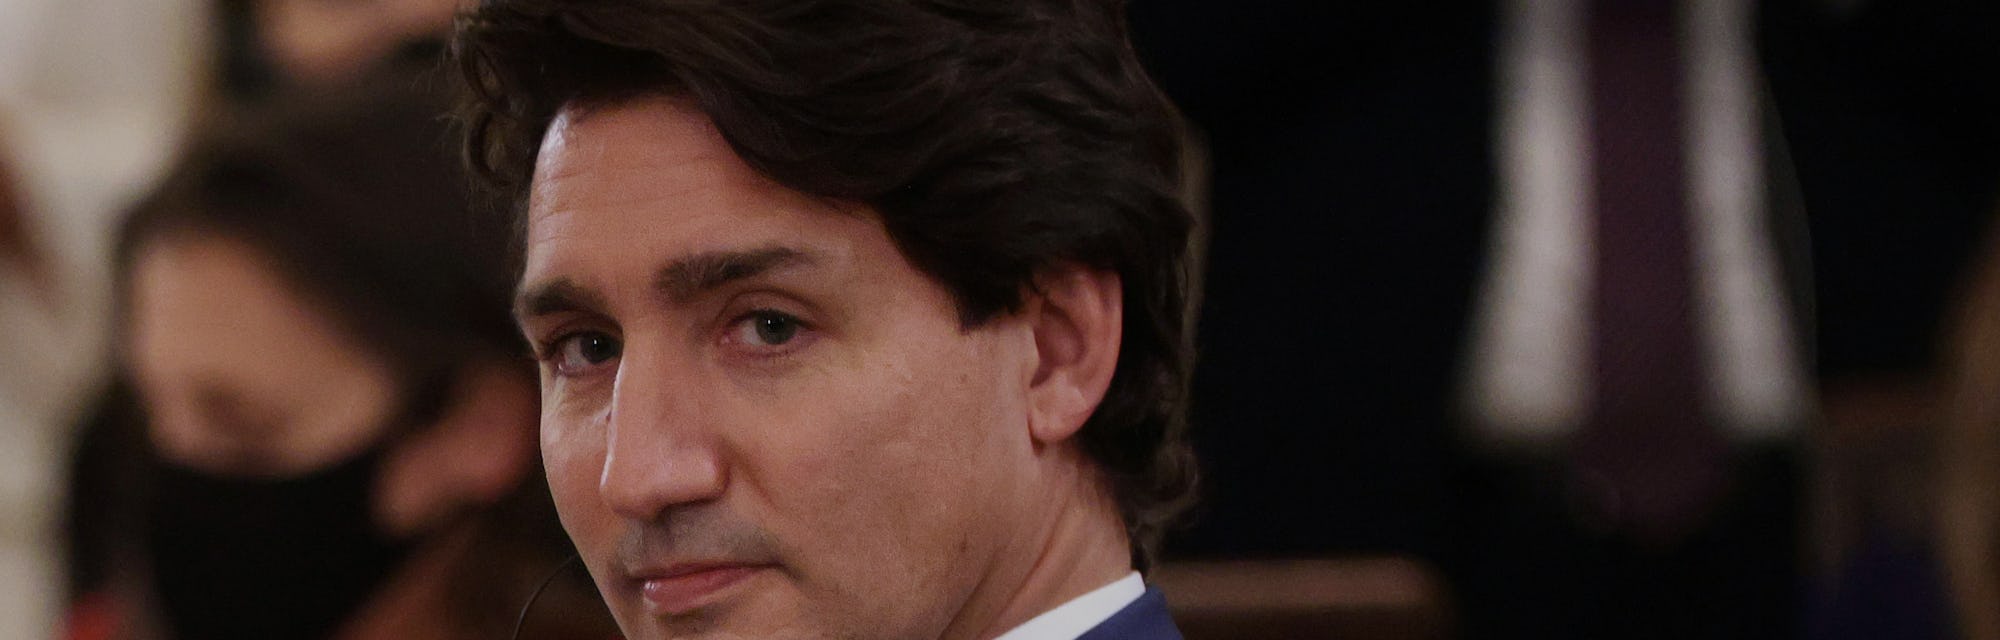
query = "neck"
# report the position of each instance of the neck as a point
(1078, 545)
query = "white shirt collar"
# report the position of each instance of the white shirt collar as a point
(1074, 618)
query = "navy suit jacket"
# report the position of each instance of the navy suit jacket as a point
(1144, 619)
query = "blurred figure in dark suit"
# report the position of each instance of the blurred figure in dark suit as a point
(1396, 175)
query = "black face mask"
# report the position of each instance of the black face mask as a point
(258, 558)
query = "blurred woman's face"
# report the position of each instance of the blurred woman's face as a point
(240, 374)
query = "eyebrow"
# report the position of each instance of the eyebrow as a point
(679, 281)
(684, 279)
(555, 296)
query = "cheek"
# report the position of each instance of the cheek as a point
(891, 472)
(573, 458)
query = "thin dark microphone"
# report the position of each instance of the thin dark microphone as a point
(522, 620)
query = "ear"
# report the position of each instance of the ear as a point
(1077, 316)
(480, 449)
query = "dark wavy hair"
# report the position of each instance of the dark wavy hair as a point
(995, 139)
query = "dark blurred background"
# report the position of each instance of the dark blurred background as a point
(1539, 318)
(1358, 197)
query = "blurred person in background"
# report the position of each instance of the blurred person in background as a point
(273, 47)
(95, 99)
(328, 430)
(1432, 174)
(1553, 267)
(19, 250)
(321, 42)
(1968, 506)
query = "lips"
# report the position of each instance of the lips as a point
(684, 588)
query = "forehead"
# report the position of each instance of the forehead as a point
(215, 315)
(650, 137)
(653, 175)
(239, 371)
(217, 301)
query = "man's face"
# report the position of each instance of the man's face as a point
(759, 419)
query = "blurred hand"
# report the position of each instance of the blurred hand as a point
(328, 42)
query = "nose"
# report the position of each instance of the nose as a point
(659, 447)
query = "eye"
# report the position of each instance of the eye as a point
(766, 328)
(578, 354)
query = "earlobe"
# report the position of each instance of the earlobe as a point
(481, 448)
(1077, 316)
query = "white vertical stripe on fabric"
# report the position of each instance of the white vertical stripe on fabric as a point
(1754, 380)
(1528, 378)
